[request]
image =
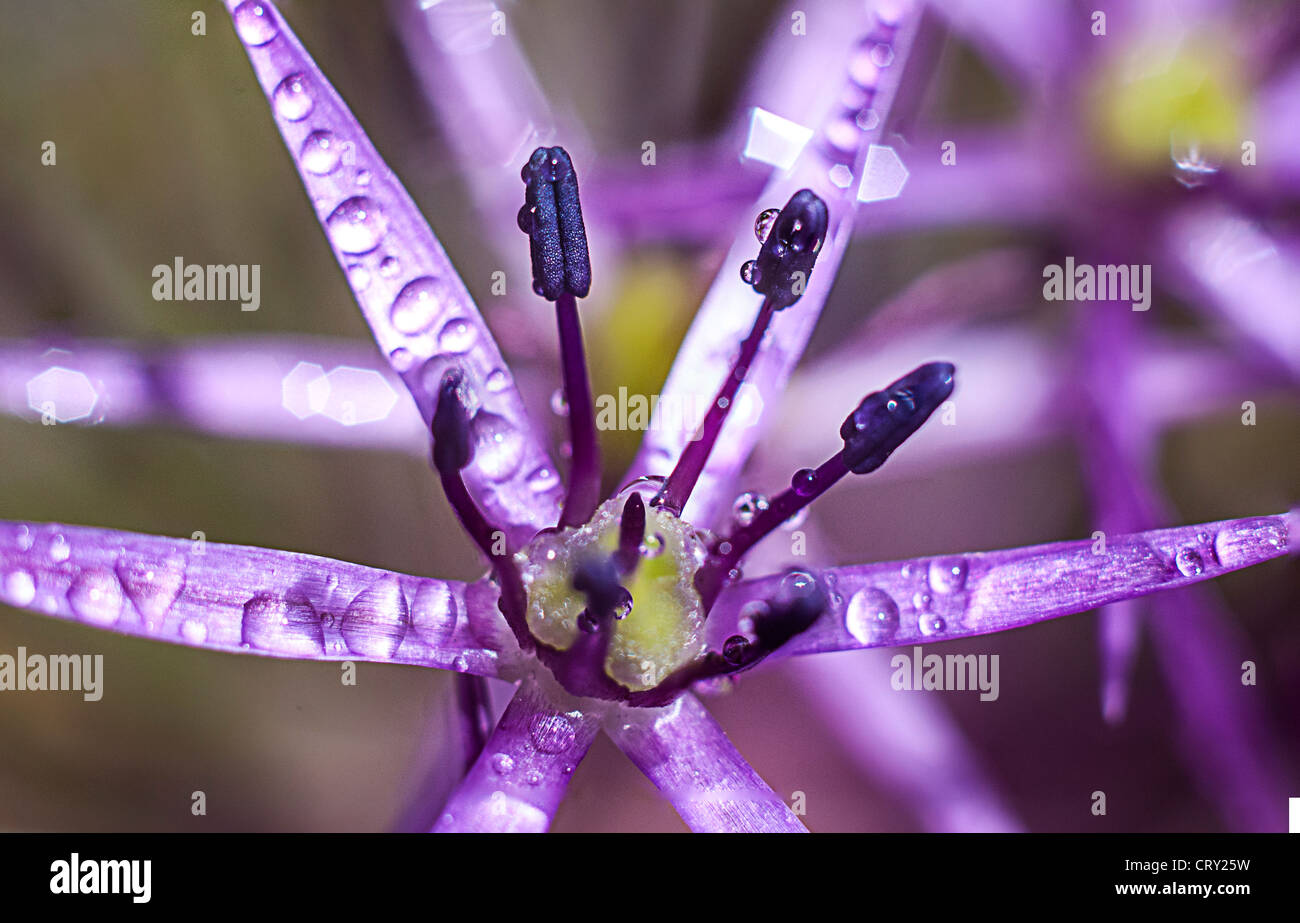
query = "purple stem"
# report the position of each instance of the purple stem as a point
(584, 475)
(677, 489)
(728, 551)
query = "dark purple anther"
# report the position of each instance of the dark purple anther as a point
(880, 424)
(597, 578)
(452, 446)
(785, 260)
(781, 272)
(453, 449)
(886, 418)
(552, 219)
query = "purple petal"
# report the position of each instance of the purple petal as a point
(1236, 270)
(519, 779)
(908, 744)
(481, 88)
(246, 600)
(1222, 726)
(421, 315)
(936, 599)
(1179, 379)
(684, 752)
(285, 389)
(729, 309)
(1030, 41)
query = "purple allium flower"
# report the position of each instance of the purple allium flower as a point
(606, 615)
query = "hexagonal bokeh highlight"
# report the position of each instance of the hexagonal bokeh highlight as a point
(775, 140)
(358, 396)
(883, 175)
(305, 390)
(64, 394)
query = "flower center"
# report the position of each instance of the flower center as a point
(657, 629)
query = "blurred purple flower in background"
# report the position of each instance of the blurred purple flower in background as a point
(838, 132)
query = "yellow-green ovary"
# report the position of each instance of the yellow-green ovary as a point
(664, 630)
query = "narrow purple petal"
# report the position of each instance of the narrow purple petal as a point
(492, 112)
(1231, 748)
(421, 314)
(285, 389)
(1231, 266)
(1179, 379)
(688, 757)
(1032, 43)
(518, 781)
(907, 743)
(1119, 634)
(936, 599)
(729, 309)
(246, 600)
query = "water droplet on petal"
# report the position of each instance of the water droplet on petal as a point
(749, 272)
(25, 538)
(375, 622)
(1189, 563)
(559, 406)
(96, 596)
(19, 588)
(390, 266)
(194, 631)
(59, 549)
(498, 446)
(543, 479)
(358, 277)
(292, 98)
(503, 764)
(417, 304)
(457, 335)
(764, 223)
(363, 177)
(255, 23)
(931, 624)
(272, 623)
(552, 733)
(497, 381)
(948, 575)
(434, 612)
(1249, 542)
(357, 225)
(321, 153)
(152, 586)
(872, 616)
(401, 359)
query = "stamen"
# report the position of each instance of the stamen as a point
(552, 219)
(453, 449)
(581, 666)
(878, 426)
(631, 532)
(780, 273)
(798, 603)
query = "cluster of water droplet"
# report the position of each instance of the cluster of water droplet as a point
(358, 225)
(841, 134)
